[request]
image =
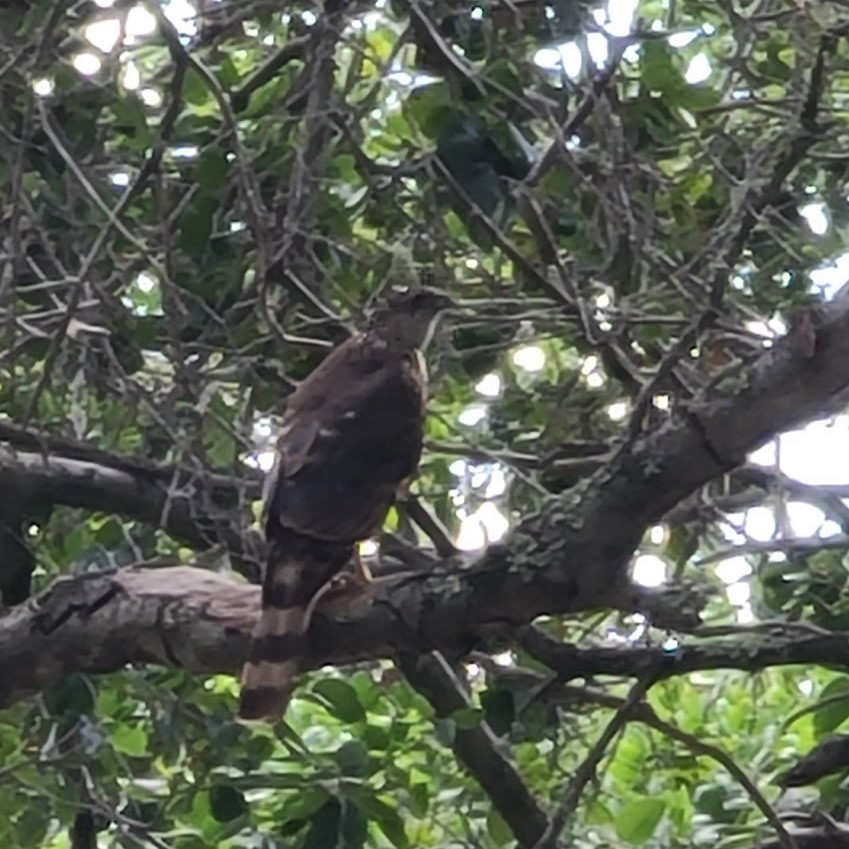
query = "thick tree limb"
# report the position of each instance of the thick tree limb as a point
(178, 616)
(201, 621)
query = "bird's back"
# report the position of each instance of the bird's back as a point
(364, 420)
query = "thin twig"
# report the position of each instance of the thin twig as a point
(587, 768)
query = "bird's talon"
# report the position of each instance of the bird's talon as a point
(342, 591)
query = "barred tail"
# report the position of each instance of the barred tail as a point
(268, 676)
(290, 584)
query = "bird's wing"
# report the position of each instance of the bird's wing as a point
(306, 409)
(353, 434)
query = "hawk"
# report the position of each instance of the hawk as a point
(351, 440)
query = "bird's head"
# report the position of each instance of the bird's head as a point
(408, 318)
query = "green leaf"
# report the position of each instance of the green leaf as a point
(682, 544)
(712, 800)
(199, 814)
(195, 90)
(352, 758)
(505, 74)
(467, 717)
(381, 812)
(110, 534)
(227, 72)
(659, 71)
(70, 696)
(299, 808)
(341, 697)
(830, 790)
(344, 168)
(337, 825)
(376, 737)
(429, 107)
(130, 120)
(10, 741)
(695, 97)
(498, 830)
(196, 224)
(419, 798)
(446, 731)
(381, 42)
(31, 826)
(130, 740)
(354, 828)
(368, 692)
(211, 169)
(833, 707)
(226, 802)
(629, 763)
(499, 709)
(259, 748)
(637, 821)
(597, 813)
(774, 66)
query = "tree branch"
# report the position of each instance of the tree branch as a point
(171, 503)
(586, 770)
(825, 837)
(478, 749)
(289, 52)
(201, 621)
(746, 649)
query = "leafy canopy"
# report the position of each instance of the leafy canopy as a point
(195, 199)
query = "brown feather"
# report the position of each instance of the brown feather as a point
(268, 682)
(291, 581)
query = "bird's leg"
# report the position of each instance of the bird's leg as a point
(362, 573)
(402, 491)
(351, 585)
